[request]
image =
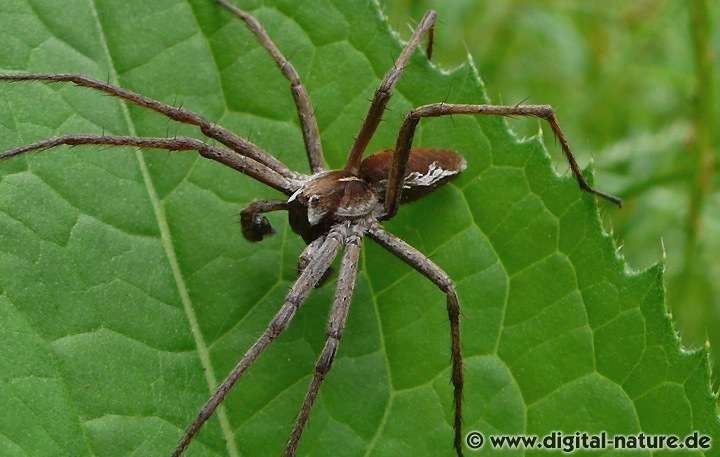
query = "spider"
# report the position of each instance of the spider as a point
(332, 210)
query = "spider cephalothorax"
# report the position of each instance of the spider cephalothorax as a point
(331, 209)
(331, 197)
(328, 199)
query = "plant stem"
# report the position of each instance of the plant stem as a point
(703, 120)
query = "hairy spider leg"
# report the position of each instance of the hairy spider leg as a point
(319, 263)
(239, 145)
(407, 133)
(231, 159)
(311, 133)
(384, 92)
(333, 333)
(437, 276)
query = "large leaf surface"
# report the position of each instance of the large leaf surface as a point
(127, 289)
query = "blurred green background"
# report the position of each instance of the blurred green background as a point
(635, 87)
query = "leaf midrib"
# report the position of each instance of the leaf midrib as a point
(168, 246)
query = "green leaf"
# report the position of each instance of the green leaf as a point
(635, 93)
(127, 289)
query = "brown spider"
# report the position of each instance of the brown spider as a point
(331, 209)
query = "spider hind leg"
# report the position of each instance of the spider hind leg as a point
(437, 276)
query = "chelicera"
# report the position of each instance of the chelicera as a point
(332, 210)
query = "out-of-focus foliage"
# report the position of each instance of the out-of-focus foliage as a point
(625, 79)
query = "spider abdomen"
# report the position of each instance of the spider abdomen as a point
(426, 170)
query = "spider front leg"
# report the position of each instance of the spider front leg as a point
(231, 159)
(316, 267)
(407, 133)
(238, 144)
(427, 268)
